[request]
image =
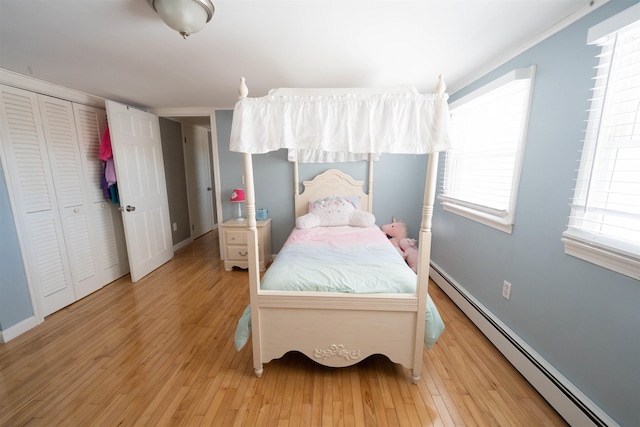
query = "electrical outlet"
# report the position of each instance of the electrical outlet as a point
(175, 226)
(506, 290)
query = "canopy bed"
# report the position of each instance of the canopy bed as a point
(375, 303)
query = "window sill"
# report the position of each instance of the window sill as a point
(605, 256)
(499, 223)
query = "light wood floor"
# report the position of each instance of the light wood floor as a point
(161, 352)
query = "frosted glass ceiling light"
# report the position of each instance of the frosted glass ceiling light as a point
(184, 16)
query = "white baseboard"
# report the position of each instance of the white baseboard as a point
(18, 329)
(573, 405)
(182, 244)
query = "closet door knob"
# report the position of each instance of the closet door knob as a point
(130, 208)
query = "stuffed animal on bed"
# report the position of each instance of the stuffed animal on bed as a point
(395, 231)
(410, 250)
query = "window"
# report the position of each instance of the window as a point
(604, 225)
(481, 174)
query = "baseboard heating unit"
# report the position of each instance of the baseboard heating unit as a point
(573, 405)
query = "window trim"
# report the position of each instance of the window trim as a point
(598, 252)
(502, 220)
(476, 214)
(606, 252)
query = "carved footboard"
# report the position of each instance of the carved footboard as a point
(339, 330)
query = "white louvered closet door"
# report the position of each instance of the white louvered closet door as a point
(68, 179)
(107, 220)
(26, 162)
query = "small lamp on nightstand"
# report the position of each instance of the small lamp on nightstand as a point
(237, 197)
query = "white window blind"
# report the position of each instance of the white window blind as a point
(604, 224)
(482, 172)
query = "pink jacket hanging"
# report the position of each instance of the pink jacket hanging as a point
(105, 145)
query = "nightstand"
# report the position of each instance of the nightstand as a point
(234, 240)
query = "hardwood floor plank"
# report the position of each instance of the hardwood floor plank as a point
(399, 404)
(357, 397)
(217, 400)
(254, 411)
(377, 399)
(288, 393)
(346, 398)
(444, 414)
(327, 398)
(108, 415)
(422, 408)
(167, 417)
(160, 352)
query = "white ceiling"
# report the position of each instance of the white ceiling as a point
(121, 50)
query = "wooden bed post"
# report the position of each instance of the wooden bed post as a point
(424, 248)
(252, 247)
(424, 257)
(370, 184)
(296, 181)
(254, 272)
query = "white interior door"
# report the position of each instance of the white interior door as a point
(137, 151)
(198, 171)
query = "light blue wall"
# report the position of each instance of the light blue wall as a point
(583, 319)
(15, 303)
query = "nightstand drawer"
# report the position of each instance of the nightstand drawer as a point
(237, 253)
(235, 237)
(235, 243)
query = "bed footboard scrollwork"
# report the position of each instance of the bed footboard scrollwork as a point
(336, 350)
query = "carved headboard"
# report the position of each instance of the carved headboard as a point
(330, 183)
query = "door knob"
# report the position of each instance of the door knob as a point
(208, 188)
(130, 208)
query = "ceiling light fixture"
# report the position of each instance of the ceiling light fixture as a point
(184, 16)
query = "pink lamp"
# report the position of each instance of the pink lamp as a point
(237, 196)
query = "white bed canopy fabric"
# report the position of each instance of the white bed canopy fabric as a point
(347, 125)
(319, 156)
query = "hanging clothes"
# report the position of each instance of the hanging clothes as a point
(110, 172)
(105, 145)
(108, 179)
(115, 197)
(105, 187)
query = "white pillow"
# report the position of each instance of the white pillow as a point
(362, 219)
(333, 212)
(353, 199)
(309, 220)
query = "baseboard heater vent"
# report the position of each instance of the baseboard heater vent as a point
(574, 406)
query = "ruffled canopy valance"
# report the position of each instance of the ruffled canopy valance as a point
(319, 126)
